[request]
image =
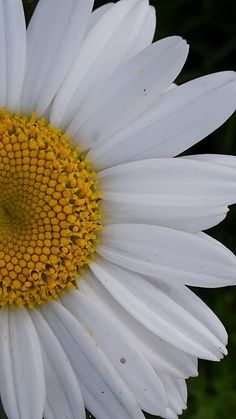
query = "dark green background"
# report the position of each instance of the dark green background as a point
(209, 27)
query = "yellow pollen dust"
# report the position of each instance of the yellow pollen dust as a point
(49, 211)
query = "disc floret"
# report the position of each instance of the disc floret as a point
(49, 211)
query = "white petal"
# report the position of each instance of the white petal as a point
(52, 48)
(95, 406)
(170, 414)
(146, 33)
(168, 192)
(221, 159)
(165, 311)
(13, 53)
(93, 369)
(186, 219)
(121, 351)
(168, 254)
(118, 49)
(169, 182)
(171, 86)
(177, 393)
(182, 117)
(95, 64)
(64, 399)
(161, 355)
(3, 52)
(132, 88)
(22, 374)
(96, 15)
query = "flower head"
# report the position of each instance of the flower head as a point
(100, 223)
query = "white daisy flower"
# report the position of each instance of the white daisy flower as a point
(100, 225)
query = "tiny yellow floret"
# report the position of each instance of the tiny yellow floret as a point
(49, 211)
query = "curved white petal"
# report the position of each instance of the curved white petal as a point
(177, 393)
(128, 39)
(94, 65)
(221, 159)
(52, 48)
(170, 414)
(13, 53)
(170, 182)
(180, 218)
(96, 15)
(95, 406)
(63, 395)
(146, 33)
(167, 254)
(115, 50)
(22, 374)
(121, 350)
(129, 92)
(161, 355)
(166, 311)
(181, 117)
(94, 371)
(178, 193)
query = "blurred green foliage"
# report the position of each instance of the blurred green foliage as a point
(209, 27)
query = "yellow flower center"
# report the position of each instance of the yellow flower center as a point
(49, 213)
